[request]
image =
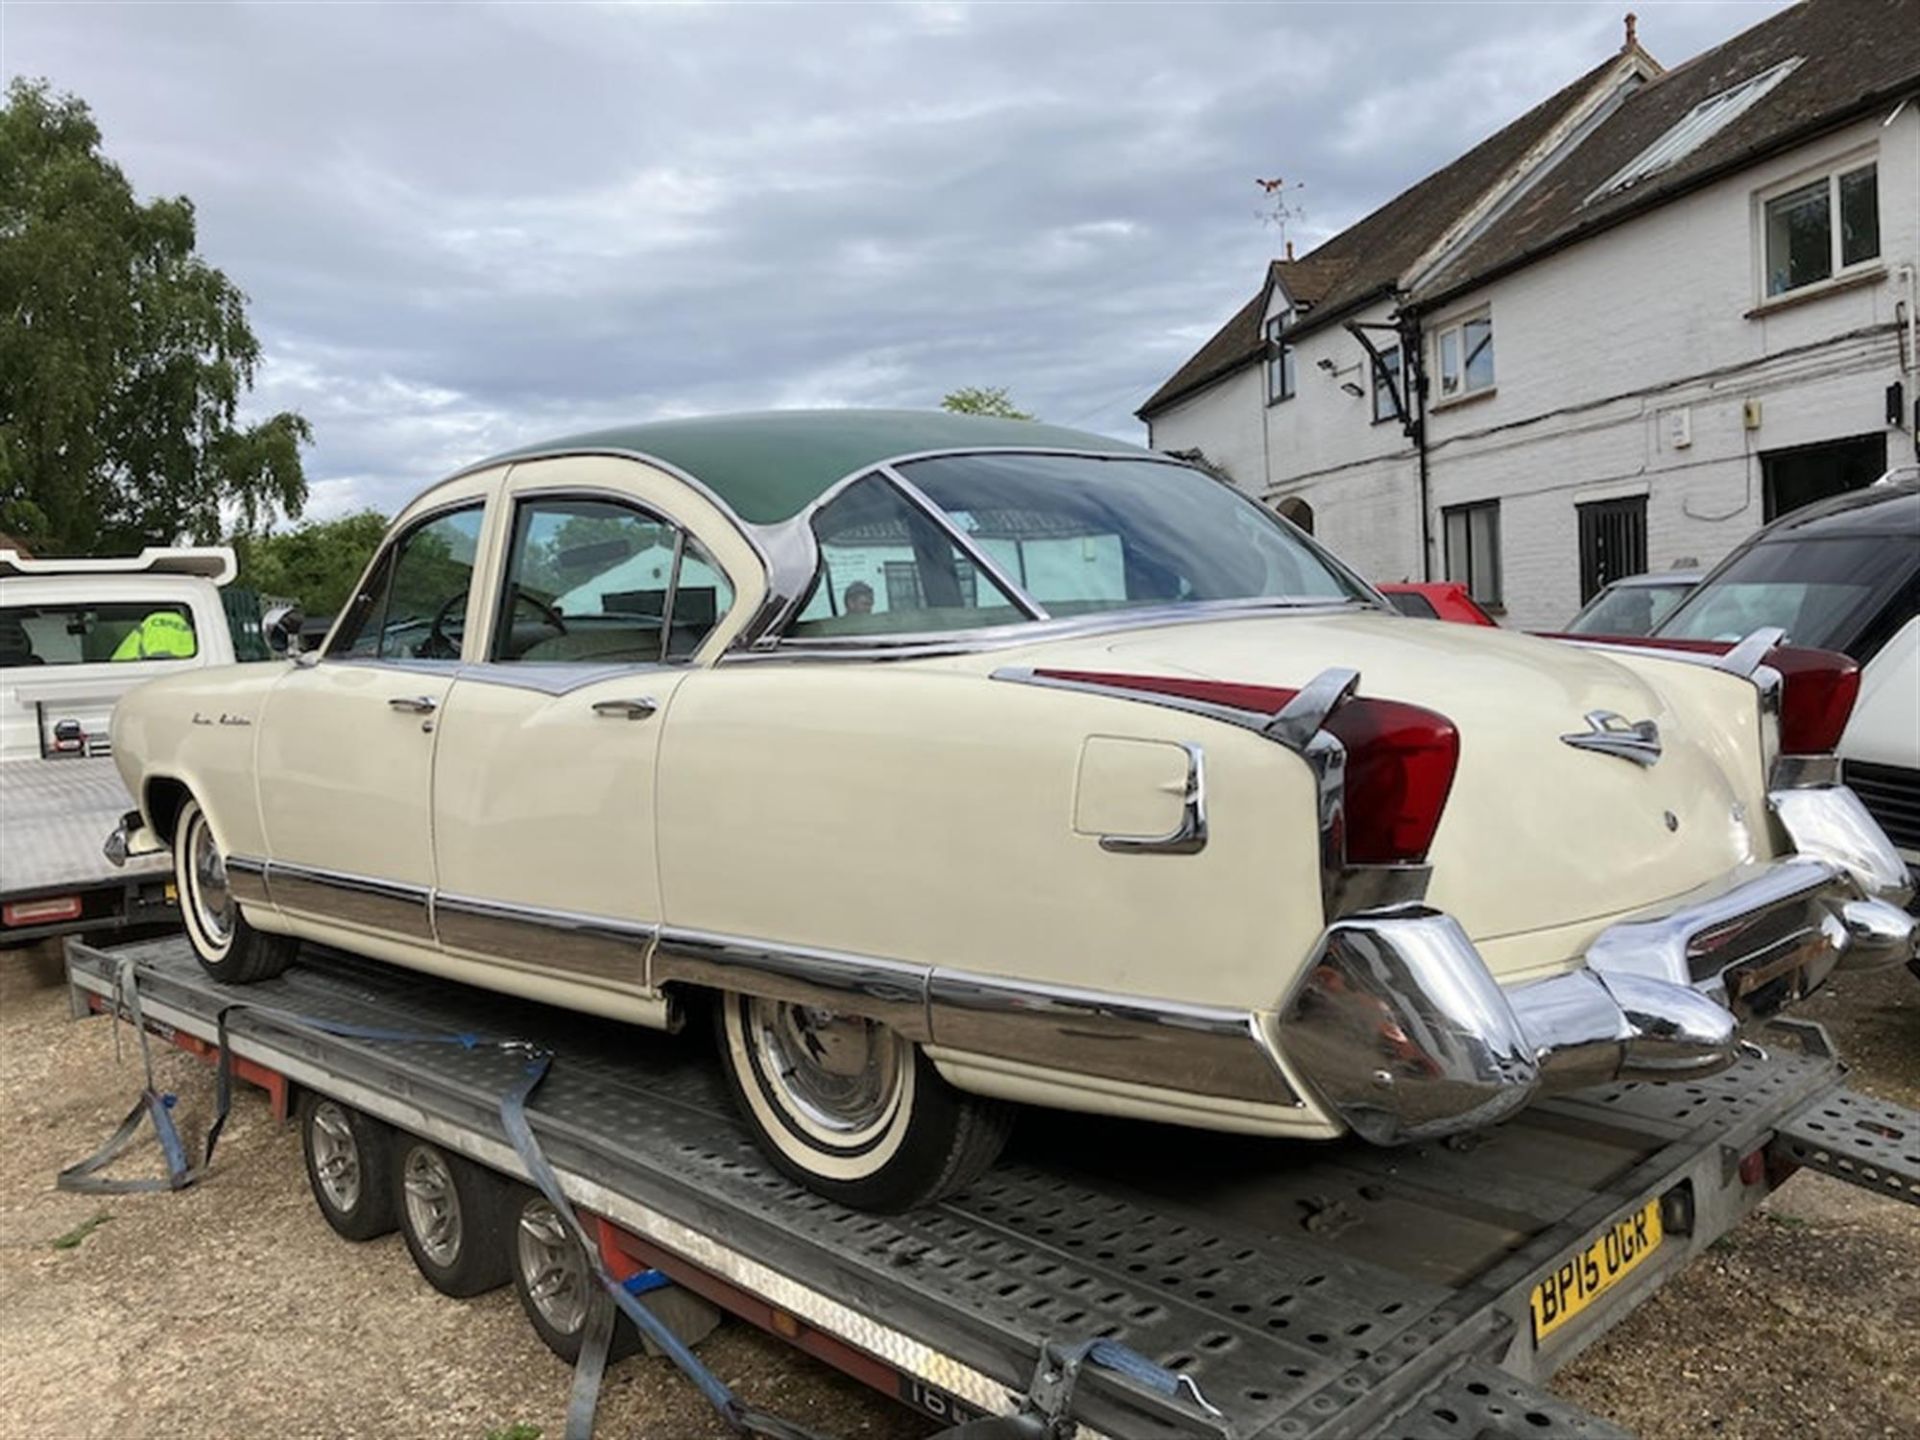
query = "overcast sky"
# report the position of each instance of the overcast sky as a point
(463, 226)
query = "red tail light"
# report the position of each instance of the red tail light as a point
(1816, 697)
(1400, 758)
(40, 912)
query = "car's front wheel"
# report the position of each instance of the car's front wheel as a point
(852, 1109)
(229, 948)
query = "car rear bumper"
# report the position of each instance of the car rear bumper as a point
(1403, 1031)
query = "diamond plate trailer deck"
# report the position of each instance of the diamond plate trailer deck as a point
(1308, 1290)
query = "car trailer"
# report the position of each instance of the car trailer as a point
(1295, 1290)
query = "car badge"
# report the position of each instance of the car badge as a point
(1611, 734)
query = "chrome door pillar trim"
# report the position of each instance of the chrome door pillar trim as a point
(963, 542)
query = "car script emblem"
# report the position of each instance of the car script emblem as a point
(1611, 734)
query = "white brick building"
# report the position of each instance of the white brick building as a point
(1646, 316)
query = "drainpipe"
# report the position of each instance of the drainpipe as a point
(1413, 365)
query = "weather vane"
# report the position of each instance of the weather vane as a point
(1283, 204)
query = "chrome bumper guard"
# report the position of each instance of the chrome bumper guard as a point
(129, 839)
(1403, 1030)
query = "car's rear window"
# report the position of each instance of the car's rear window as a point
(1411, 602)
(1628, 610)
(1821, 592)
(80, 633)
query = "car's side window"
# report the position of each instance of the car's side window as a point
(414, 604)
(886, 567)
(595, 580)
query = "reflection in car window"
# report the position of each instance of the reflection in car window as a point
(86, 634)
(1409, 602)
(1628, 610)
(591, 580)
(1821, 592)
(414, 605)
(1082, 534)
(885, 566)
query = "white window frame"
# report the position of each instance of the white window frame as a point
(1282, 382)
(1456, 329)
(1831, 172)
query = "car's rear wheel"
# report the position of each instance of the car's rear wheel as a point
(851, 1108)
(229, 948)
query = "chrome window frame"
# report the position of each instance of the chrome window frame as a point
(390, 546)
(604, 495)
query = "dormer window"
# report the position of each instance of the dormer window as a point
(1280, 378)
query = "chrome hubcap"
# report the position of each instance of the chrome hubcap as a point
(840, 1072)
(433, 1209)
(336, 1159)
(553, 1268)
(212, 899)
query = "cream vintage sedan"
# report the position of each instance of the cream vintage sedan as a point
(950, 762)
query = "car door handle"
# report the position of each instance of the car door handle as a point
(415, 704)
(637, 708)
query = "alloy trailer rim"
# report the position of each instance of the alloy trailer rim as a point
(336, 1157)
(553, 1268)
(838, 1076)
(212, 895)
(433, 1208)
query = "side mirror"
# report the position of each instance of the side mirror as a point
(281, 625)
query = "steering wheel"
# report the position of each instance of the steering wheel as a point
(549, 614)
(437, 646)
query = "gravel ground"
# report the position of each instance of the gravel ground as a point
(231, 1310)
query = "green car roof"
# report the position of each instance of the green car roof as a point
(771, 465)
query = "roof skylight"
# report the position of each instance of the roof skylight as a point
(1696, 127)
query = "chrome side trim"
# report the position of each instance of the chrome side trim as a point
(1187, 838)
(891, 991)
(1200, 1049)
(964, 544)
(554, 677)
(358, 900)
(247, 879)
(594, 947)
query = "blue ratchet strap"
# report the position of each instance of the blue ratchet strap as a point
(223, 1075)
(599, 1337)
(83, 1176)
(1112, 1355)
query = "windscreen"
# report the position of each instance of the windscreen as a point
(1628, 610)
(1821, 592)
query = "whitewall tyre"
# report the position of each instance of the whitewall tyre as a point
(228, 947)
(850, 1108)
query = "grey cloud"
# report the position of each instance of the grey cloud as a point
(466, 226)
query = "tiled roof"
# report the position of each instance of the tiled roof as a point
(1855, 56)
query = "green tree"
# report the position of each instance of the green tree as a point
(123, 356)
(983, 400)
(316, 563)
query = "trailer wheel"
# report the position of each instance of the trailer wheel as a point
(850, 1108)
(229, 949)
(453, 1215)
(556, 1286)
(349, 1159)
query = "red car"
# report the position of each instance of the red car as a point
(1441, 600)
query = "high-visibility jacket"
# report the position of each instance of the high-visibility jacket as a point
(163, 633)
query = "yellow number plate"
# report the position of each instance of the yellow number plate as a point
(1585, 1277)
